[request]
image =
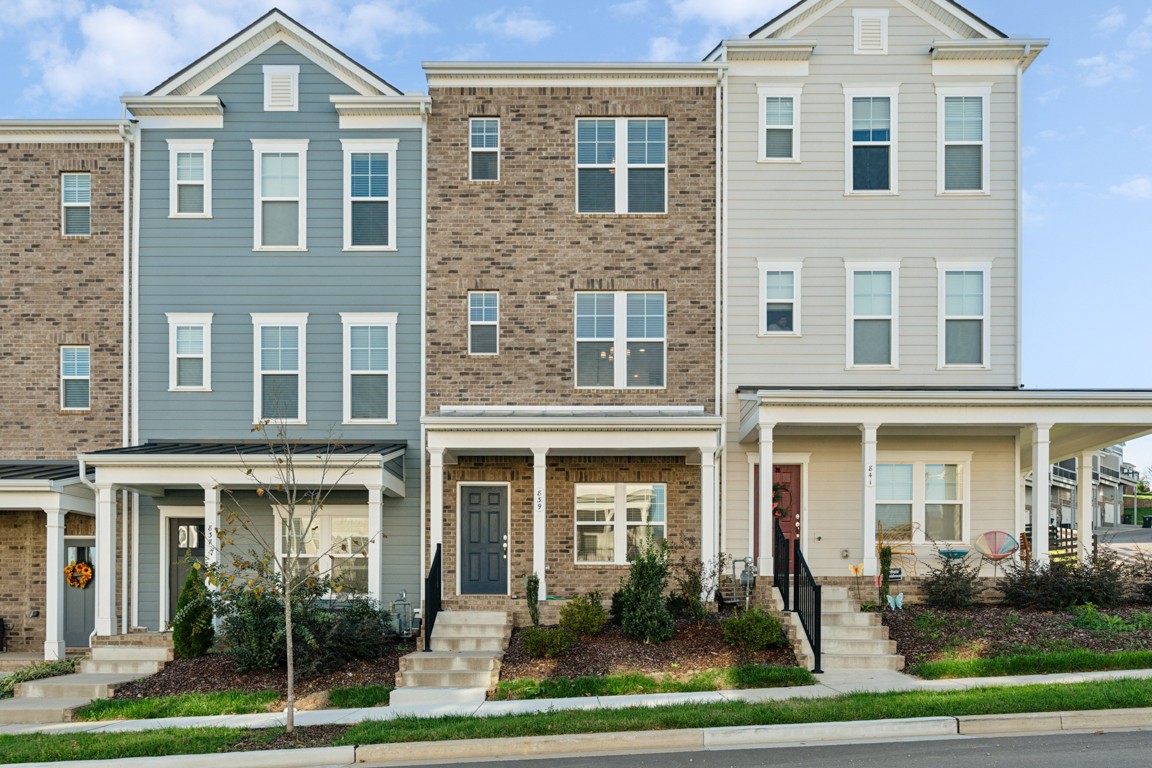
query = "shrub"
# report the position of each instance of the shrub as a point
(583, 615)
(35, 672)
(253, 624)
(546, 642)
(616, 606)
(643, 614)
(952, 584)
(532, 595)
(192, 630)
(1060, 584)
(682, 607)
(694, 578)
(752, 630)
(884, 588)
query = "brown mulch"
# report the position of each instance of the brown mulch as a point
(300, 738)
(217, 673)
(931, 634)
(692, 650)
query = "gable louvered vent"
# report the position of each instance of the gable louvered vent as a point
(871, 31)
(281, 87)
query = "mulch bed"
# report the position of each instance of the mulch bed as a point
(931, 634)
(692, 650)
(301, 738)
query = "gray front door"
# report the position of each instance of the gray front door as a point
(185, 545)
(80, 604)
(484, 540)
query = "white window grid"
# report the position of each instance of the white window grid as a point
(373, 365)
(326, 552)
(621, 336)
(775, 102)
(892, 93)
(853, 268)
(75, 366)
(614, 500)
(183, 328)
(184, 155)
(767, 270)
(943, 94)
(484, 310)
(389, 148)
(299, 321)
(984, 269)
(285, 148)
(483, 139)
(620, 168)
(921, 462)
(75, 202)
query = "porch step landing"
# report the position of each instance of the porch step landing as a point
(850, 638)
(462, 664)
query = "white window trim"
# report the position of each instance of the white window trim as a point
(495, 323)
(323, 522)
(184, 320)
(795, 268)
(64, 378)
(274, 70)
(486, 151)
(377, 146)
(176, 147)
(64, 206)
(262, 320)
(259, 148)
(985, 93)
(858, 17)
(852, 267)
(619, 522)
(918, 460)
(357, 319)
(942, 269)
(892, 92)
(620, 169)
(620, 341)
(791, 92)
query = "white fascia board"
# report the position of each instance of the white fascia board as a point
(61, 131)
(1093, 398)
(171, 474)
(615, 424)
(381, 112)
(591, 441)
(571, 74)
(42, 498)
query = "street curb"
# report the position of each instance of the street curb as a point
(272, 758)
(1087, 720)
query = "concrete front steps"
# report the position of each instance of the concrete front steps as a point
(852, 639)
(114, 661)
(462, 664)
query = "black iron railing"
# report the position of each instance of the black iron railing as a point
(433, 592)
(780, 550)
(806, 602)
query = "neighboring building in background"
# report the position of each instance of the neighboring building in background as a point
(62, 192)
(1112, 480)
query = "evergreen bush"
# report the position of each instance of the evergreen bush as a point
(753, 630)
(546, 642)
(192, 630)
(644, 615)
(584, 616)
(952, 584)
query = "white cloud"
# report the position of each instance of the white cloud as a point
(630, 8)
(665, 49)
(1141, 37)
(1035, 208)
(1112, 20)
(1101, 70)
(517, 25)
(1139, 188)
(729, 13)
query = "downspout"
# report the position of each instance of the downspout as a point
(1020, 215)
(134, 433)
(124, 508)
(425, 109)
(721, 303)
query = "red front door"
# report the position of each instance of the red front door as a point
(785, 502)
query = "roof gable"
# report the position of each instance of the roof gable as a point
(948, 16)
(271, 28)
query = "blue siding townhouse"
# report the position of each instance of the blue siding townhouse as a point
(276, 264)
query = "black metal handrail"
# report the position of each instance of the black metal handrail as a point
(433, 589)
(780, 551)
(806, 602)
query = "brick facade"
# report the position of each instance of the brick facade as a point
(566, 578)
(56, 291)
(521, 236)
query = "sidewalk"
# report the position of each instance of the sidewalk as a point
(830, 684)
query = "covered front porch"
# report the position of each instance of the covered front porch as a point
(949, 464)
(183, 492)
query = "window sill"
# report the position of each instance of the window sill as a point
(189, 215)
(368, 422)
(963, 367)
(369, 248)
(76, 237)
(965, 193)
(483, 354)
(871, 193)
(483, 181)
(189, 389)
(780, 335)
(602, 565)
(73, 411)
(620, 389)
(605, 214)
(778, 161)
(285, 422)
(279, 249)
(871, 367)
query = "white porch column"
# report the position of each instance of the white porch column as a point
(767, 521)
(1042, 489)
(868, 480)
(54, 598)
(435, 501)
(708, 523)
(211, 523)
(105, 561)
(1085, 505)
(540, 518)
(376, 542)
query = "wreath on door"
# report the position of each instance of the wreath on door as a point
(78, 574)
(780, 492)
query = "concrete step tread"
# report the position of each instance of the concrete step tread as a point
(436, 695)
(132, 653)
(473, 617)
(30, 711)
(87, 678)
(451, 655)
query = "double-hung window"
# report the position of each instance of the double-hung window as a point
(190, 178)
(369, 362)
(964, 315)
(621, 165)
(872, 323)
(615, 520)
(279, 341)
(483, 323)
(76, 204)
(75, 378)
(281, 202)
(871, 155)
(190, 351)
(924, 496)
(963, 164)
(484, 149)
(779, 123)
(369, 194)
(620, 340)
(780, 298)
(334, 542)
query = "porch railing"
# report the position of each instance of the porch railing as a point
(799, 590)
(433, 592)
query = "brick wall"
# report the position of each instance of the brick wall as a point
(565, 577)
(56, 291)
(522, 237)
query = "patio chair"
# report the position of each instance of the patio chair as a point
(996, 546)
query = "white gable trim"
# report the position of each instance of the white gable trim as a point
(803, 16)
(799, 18)
(937, 24)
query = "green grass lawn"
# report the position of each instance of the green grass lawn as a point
(1107, 694)
(1077, 660)
(185, 705)
(745, 676)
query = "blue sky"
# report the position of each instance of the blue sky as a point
(1087, 116)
